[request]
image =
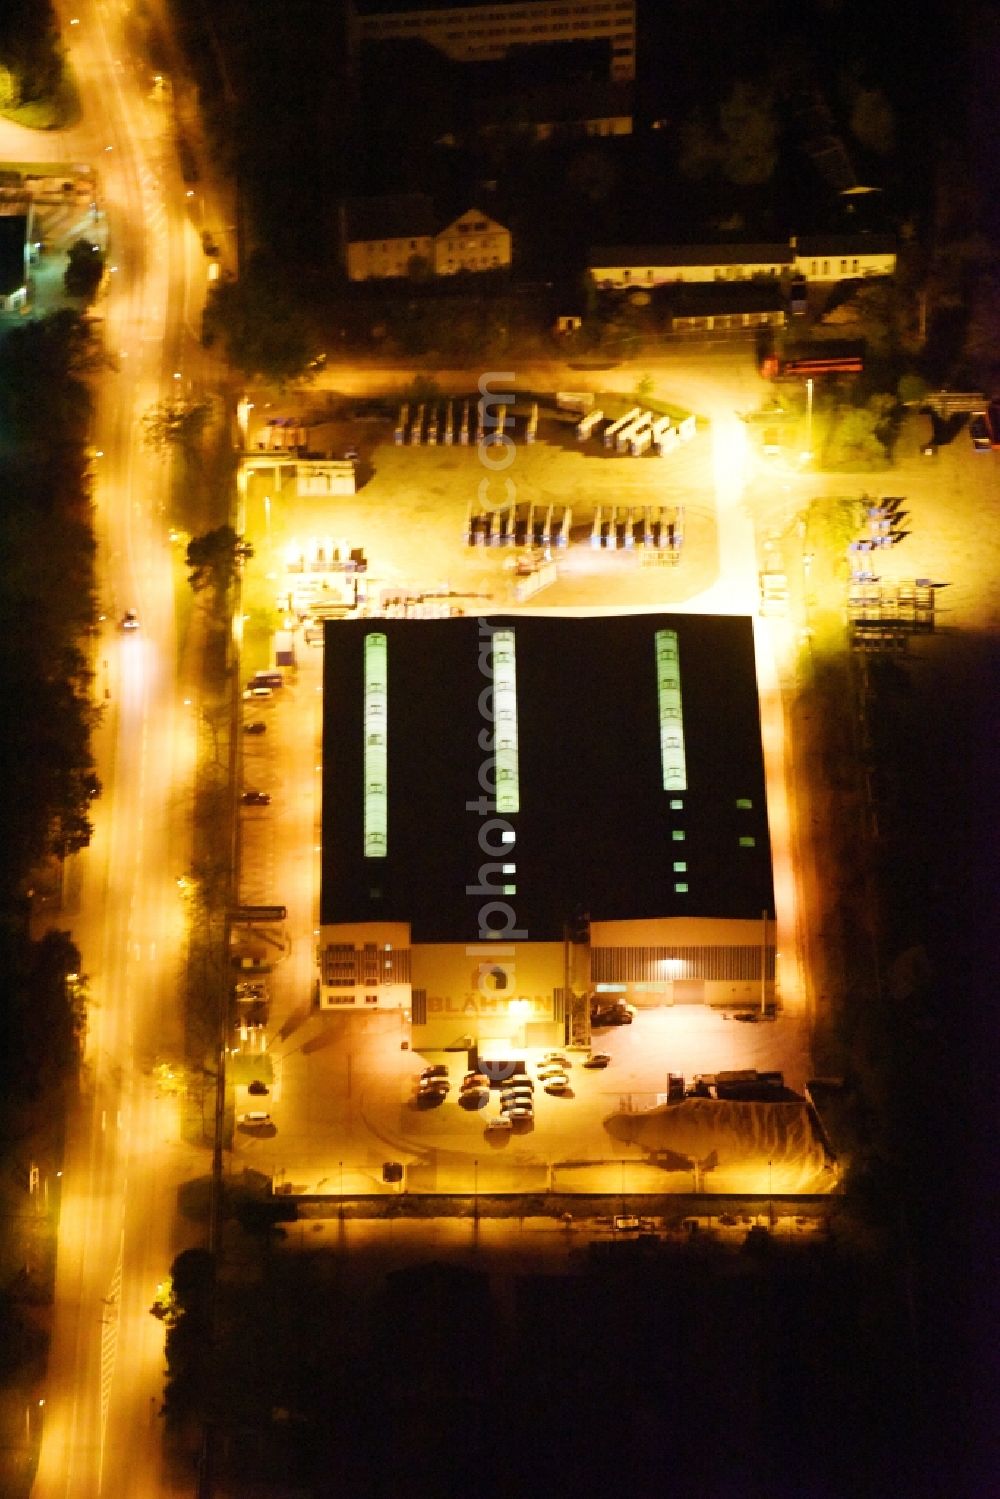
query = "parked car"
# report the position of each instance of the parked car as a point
(249, 989)
(556, 1059)
(598, 1059)
(627, 1224)
(430, 1085)
(253, 1116)
(519, 1111)
(559, 1083)
(256, 799)
(255, 726)
(550, 1069)
(439, 1069)
(475, 1080)
(254, 692)
(130, 620)
(616, 1013)
(257, 1087)
(499, 1124)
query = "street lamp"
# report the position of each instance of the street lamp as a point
(809, 420)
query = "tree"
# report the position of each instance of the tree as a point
(42, 1017)
(643, 388)
(853, 441)
(982, 332)
(749, 135)
(184, 1304)
(84, 269)
(47, 596)
(741, 145)
(699, 150)
(263, 329)
(214, 558)
(178, 424)
(30, 53)
(592, 174)
(873, 123)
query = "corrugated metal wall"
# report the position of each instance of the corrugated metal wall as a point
(623, 965)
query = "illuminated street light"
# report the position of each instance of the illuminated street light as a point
(806, 457)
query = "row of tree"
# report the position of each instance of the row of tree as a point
(31, 58)
(47, 595)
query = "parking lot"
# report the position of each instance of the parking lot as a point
(342, 1094)
(345, 1098)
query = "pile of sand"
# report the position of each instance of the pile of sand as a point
(738, 1147)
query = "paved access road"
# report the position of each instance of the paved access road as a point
(124, 1159)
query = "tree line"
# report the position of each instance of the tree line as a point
(47, 608)
(31, 57)
(47, 595)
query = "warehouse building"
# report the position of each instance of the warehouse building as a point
(521, 812)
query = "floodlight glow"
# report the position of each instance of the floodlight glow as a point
(376, 825)
(508, 797)
(668, 691)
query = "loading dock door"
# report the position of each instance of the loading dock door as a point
(689, 991)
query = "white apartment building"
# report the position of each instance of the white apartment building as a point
(485, 33)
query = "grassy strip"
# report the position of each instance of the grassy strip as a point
(58, 111)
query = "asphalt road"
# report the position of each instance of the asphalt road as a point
(124, 1159)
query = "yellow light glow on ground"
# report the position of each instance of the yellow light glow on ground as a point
(788, 959)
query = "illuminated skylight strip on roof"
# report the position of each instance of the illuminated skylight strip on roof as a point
(668, 690)
(376, 780)
(505, 727)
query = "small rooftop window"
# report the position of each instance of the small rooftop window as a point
(678, 835)
(744, 804)
(681, 887)
(748, 843)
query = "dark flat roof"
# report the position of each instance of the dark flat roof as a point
(13, 233)
(698, 297)
(722, 254)
(846, 244)
(595, 828)
(394, 216)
